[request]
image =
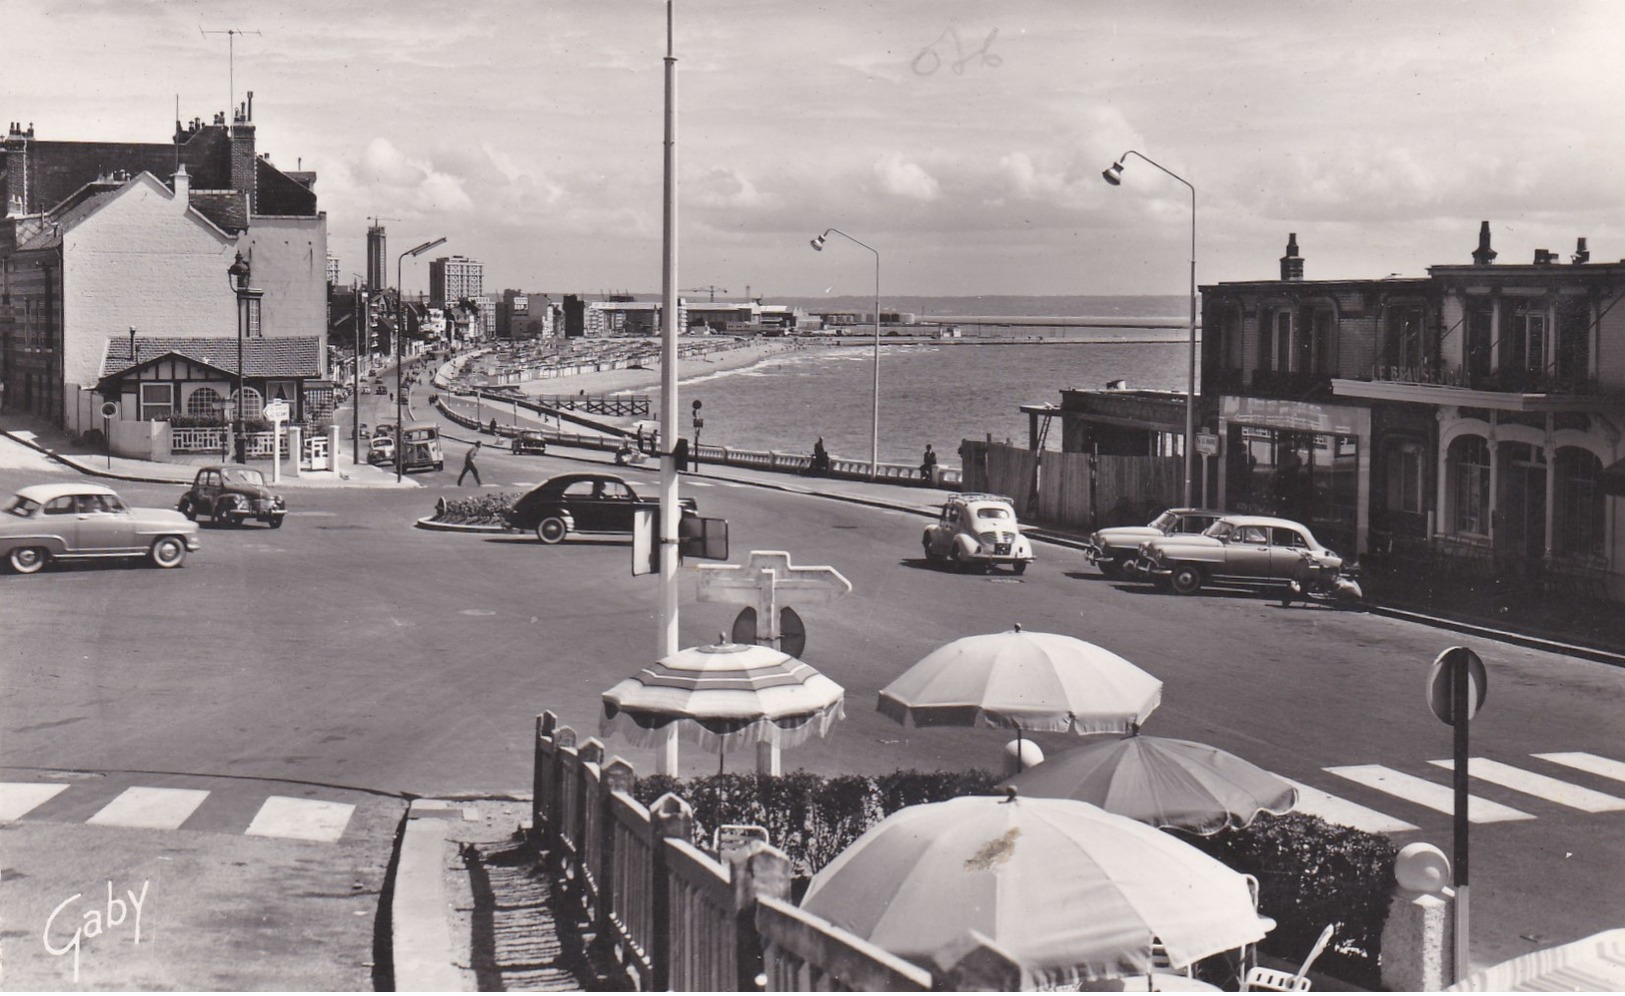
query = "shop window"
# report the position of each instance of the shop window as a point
(1468, 465)
(1578, 519)
(1402, 474)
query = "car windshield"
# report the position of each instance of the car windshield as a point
(1165, 521)
(22, 507)
(993, 512)
(242, 475)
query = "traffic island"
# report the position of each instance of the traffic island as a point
(476, 514)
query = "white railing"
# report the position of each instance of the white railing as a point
(198, 439)
(316, 455)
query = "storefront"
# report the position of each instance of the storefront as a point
(1301, 461)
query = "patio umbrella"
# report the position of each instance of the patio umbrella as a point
(1163, 782)
(1591, 964)
(1028, 681)
(722, 696)
(1067, 890)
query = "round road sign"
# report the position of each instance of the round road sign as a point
(109, 409)
(1441, 683)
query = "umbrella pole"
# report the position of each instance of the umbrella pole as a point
(1019, 765)
(720, 759)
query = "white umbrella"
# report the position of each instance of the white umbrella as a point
(722, 696)
(1066, 889)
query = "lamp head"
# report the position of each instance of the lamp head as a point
(238, 271)
(425, 247)
(818, 243)
(1113, 174)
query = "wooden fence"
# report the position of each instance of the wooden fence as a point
(660, 913)
(1078, 490)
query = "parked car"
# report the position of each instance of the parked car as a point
(976, 531)
(530, 441)
(1246, 549)
(1113, 549)
(584, 503)
(75, 521)
(232, 495)
(381, 450)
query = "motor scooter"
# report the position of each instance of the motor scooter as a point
(1315, 581)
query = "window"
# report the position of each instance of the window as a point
(1523, 346)
(1254, 534)
(63, 505)
(1288, 537)
(252, 402)
(157, 402)
(204, 401)
(1469, 469)
(1573, 342)
(1578, 519)
(1407, 349)
(1322, 341)
(1480, 336)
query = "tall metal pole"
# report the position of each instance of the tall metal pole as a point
(400, 393)
(874, 437)
(1112, 175)
(666, 760)
(358, 319)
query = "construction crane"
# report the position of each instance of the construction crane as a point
(712, 290)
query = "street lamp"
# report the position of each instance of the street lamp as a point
(237, 275)
(874, 440)
(1113, 175)
(400, 326)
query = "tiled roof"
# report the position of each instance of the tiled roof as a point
(280, 356)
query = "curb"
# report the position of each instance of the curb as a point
(427, 522)
(82, 468)
(420, 941)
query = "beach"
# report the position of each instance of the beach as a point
(647, 379)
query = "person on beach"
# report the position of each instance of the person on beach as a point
(928, 466)
(468, 465)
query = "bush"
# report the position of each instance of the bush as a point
(1310, 872)
(92, 438)
(182, 421)
(478, 510)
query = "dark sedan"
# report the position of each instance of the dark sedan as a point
(580, 503)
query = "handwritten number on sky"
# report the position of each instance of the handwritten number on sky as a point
(930, 60)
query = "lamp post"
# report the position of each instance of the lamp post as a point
(400, 326)
(874, 439)
(1113, 175)
(237, 275)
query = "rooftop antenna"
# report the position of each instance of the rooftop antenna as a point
(231, 62)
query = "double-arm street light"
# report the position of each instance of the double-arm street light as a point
(400, 326)
(1114, 176)
(874, 440)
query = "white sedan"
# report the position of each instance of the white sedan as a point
(75, 521)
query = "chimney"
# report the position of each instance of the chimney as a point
(134, 352)
(243, 161)
(183, 187)
(1544, 258)
(1483, 255)
(1292, 263)
(1581, 253)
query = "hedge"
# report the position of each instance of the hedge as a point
(479, 510)
(1310, 872)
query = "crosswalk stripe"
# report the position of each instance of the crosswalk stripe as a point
(1336, 810)
(17, 799)
(1551, 789)
(1590, 763)
(1425, 793)
(150, 808)
(301, 819)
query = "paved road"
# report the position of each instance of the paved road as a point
(349, 653)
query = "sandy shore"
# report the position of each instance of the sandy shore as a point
(647, 380)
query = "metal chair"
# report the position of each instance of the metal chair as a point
(1271, 980)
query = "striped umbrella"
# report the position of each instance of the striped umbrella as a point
(723, 696)
(1591, 964)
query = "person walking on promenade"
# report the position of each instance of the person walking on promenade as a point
(468, 465)
(820, 459)
(928, 467)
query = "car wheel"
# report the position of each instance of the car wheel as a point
(221, 515)
(931, 556)
(1186, 579)
(1111, 569)
(276, 522)
(28, 559)
(551, 530)
(1020, 567)
(168, 551)
(955, 560)
(188, 509)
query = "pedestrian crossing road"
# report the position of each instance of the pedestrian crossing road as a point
(240, 808)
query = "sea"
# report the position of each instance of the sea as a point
(943, 391)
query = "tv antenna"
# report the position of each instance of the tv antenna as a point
(231, 62)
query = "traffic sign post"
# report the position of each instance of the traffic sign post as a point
(109, 413)
(276, 413)
(1456, 689)
(698, 424)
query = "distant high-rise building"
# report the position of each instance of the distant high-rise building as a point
(332, 269)
(452, 278)
(377, 257)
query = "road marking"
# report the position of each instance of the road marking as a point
(1425, 793)
(150, 808)
(697, 484)
(1590, 763)
(301, 819)
(1551, 789)
(1335, 810)
(17, 799)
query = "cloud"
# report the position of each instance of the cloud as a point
(906, 179)
(725, 189)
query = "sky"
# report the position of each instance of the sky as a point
(962, 141)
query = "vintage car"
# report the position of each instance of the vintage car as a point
(530, 441)
(580, 503)
(1112, 549)
(381, 450)
(976, 531)
(75, 521)
(232, 495)
(420, 447)
(1244, 549)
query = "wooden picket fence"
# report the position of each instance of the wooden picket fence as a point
(659, 913)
